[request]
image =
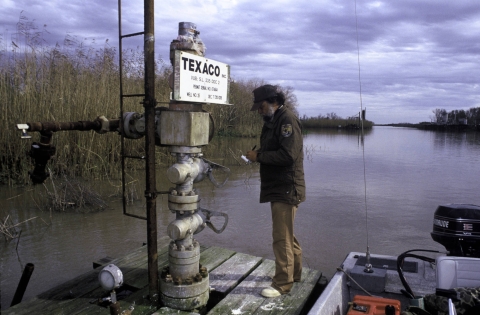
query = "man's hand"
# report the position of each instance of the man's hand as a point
(252, 156)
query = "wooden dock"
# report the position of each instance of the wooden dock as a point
(236, 281)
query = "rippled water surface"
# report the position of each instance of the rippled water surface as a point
(384, 193)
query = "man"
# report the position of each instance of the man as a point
(282, 182)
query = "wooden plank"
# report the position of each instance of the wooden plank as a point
(133, 265)
(226, 276)
(61, 299)
(169, 311)
(58, 296)
(102, 262)
(293, 302)
(242, 275)
(213, 256)
(246, 298)
(141, 306)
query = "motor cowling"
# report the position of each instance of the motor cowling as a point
(457, 227)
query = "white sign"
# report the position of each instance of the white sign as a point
(198, 79)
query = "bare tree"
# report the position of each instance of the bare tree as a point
(439, 115)
(291, 101)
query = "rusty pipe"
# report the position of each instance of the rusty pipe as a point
(86, 125)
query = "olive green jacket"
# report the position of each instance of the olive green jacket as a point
(281, 159)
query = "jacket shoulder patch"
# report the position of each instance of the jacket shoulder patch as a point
(287, 130)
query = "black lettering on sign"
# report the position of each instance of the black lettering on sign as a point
(199, 63)
(185, 60)
(196, 66)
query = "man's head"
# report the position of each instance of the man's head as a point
(266, 100)
(263, 93)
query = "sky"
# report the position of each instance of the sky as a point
(399, 59)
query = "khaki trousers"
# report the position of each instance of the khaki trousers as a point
(287, 250)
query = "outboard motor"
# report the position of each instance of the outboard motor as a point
(457, 227)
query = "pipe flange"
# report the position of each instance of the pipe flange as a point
(183, 206)
(180, 297)
(184, 149)
(183, 290)
(182, 199)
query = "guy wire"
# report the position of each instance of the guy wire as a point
(361, 120)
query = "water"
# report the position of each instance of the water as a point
(408, 173)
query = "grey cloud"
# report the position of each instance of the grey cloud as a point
(415, 55)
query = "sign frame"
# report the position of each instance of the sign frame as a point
(200, 80)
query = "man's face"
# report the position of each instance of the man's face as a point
(267, 110)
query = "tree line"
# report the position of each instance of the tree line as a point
(457, 116)
(332, 120)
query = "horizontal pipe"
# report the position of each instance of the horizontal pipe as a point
(72, 125)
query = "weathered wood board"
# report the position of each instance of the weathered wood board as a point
(236, 280)
(246, 297)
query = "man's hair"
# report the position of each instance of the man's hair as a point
(279, 98)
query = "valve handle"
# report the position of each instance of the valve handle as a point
(211, 167)
(209, 213)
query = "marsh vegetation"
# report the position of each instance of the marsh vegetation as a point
(76, 81)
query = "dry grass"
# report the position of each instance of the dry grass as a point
(80, 81)
(69, 194)
(9, 229)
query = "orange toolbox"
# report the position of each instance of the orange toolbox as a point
(369, 305)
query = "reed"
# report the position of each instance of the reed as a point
(69, 82)
(67, 193)
(76, 81)
(9, 229)
(80, 81)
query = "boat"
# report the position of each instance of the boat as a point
(411, 283)
(413, 280)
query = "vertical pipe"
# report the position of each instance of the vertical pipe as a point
(120, 70)
(22, 285)
(150, 192)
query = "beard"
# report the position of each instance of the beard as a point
(268, 116)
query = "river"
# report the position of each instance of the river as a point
(381, 192)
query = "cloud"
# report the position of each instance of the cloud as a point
(413, 55)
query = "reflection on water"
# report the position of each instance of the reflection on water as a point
(408, 173)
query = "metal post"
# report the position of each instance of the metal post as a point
(150, 192)
(22, 285)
